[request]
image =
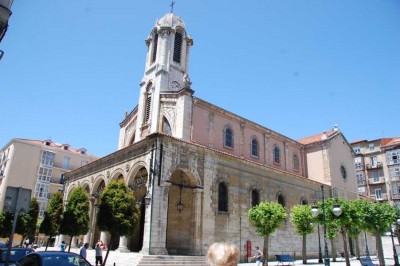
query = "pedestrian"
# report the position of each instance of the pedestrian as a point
(99, 255)
(27, 242)
(83, 249)
(63, 246)
(258, 256)
(222, 254)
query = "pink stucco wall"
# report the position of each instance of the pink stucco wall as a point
(209, 122)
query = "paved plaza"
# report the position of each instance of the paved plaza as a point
(116, 258)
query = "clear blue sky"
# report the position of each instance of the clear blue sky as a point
(72, 68)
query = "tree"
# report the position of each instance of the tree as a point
(331, 226)
(358, 221)
(6, 219)
(118, 213)
(378, 220)
(302, 220)
(26, 222)
(342, 222)
(52, 217)
(266, 217)
(75, 219)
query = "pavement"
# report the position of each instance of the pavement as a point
(116, 258)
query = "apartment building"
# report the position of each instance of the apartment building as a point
(377, 165)
(38, 168)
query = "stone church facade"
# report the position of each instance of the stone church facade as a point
(202, 167)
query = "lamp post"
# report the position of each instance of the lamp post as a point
(336, 211)
(315, 213)
(396, 258)
(319, 247)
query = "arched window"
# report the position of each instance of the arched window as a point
(255, 197)
(166, 128)
(296, 163)
(154, 54)
(228, 137)
(222, 197)
(254, 147)
(177, 47)
(277, 155)
(281, 200)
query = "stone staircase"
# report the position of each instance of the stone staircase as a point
(158, 260)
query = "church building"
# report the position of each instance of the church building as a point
(197, 169)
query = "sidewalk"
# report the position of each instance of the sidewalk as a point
(130, 259)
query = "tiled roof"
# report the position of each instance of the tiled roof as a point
(391, 142)
(358, 141)
(317, 137)
(53, 145)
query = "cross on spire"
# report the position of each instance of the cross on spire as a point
(172, 6)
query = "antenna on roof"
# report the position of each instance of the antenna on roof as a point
(172, 6)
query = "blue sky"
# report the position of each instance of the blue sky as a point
(72, 68)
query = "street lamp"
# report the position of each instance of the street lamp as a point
(336, 210)
(396, 258)
(319, 247)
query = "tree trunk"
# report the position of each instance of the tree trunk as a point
(357, 247)
(304, 249)
(266, 241)
(333, 250)
(108, 251)
(70, 241)
(346, 250)
(379, 247)
(47, 243)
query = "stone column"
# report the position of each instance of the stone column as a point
(123, 245)
(197, 221)
(73, 242)
(103, 238)
(86, 238)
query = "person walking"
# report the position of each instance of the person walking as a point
(63, 246)
(258, 256)
(99, 255)
(83, 249)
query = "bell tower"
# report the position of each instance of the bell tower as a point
(165, 99)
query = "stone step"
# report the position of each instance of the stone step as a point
(155, 260)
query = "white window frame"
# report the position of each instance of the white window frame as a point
(371, 147)
(375, 176)
(66, 162)
(378, 193)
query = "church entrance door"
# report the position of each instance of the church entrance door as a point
(181, 215)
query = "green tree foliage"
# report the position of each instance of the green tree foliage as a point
(358, 220)
(378, 220)
(266, 217)
(26, 222)
(75, 220)
(6, 219)
(302, 220)
(118, 213)
(52, 217)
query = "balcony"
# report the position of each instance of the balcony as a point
(378, 165)
(395, 178)
(383, 198)
(396, 196)
(374, 181)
